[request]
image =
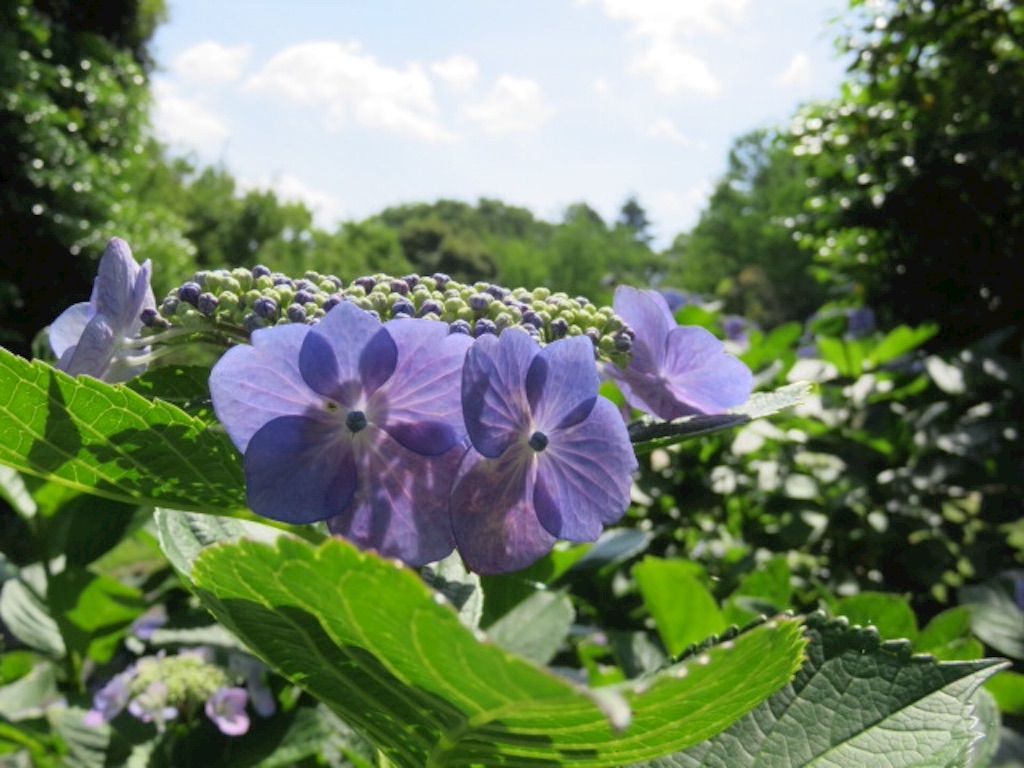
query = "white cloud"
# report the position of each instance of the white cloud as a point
(675, 212)
(798, 72)
(601, 87)
(673, 69)
(514, 105)
(328, 211)
(660, 25)
(666, 129)
(658, 18)
(183, 122)
(350, 85)
(458, 71)
(210, 63)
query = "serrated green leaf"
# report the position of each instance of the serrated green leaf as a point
(857, 701)
(369, 639)
(110, 441)
(187, 387)
(763, 404)
(183, 536)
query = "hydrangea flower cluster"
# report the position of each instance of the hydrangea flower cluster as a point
(416, 415)
(160, 689)
(234, 303)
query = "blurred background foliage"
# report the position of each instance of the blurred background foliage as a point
(873, 246)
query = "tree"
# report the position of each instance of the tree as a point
(633, 217)
(75, 155)
(742, 248)
(917, 167)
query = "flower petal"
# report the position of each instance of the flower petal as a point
(93, 352)
(401, 505)
(701, 374)
(647, 313)
(584, 475)
(299, 470)
(562, 383)
(493, 518)
(251, 385)
(226, 708)
(115, 287)
(68, 328)
(421, 404)
(494, 400)
(347, 354)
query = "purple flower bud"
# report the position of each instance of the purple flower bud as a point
(399, 286)
(430, 307)
(302, 284)
(479, 302)
(484, 327)
(190, 292)
(303, 296)
(266, 307)
(366, 283)
(150, 318)
(498, 291)
(441, 279)
(403, 308)
(297, 313)
(280, 279)
(559, 327)
(169, 306)
(460, 326)
(207, 303)
(412, 280)
(332, 301)
(260, 271)
(253, 322)
(532, 318)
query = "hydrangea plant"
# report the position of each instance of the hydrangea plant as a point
(400, 439)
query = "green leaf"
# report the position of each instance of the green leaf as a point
(29, 695)
(187, 387)
(26, 615)
(890, 614)
(369, 639)
(763, 404)
(110, 441)
(995, 617)
(898, 342)
(536, 628)
(948, 636)
(1008, 689)
(93, 612)
(857, 701)
(684, 611)
(765, 591)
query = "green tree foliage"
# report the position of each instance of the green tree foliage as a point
(742, 248)
(75, 159)
(918, 167)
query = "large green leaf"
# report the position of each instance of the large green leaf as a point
(371, 640)
(110, 441)
(857, 701)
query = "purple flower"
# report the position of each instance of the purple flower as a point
(675, 370)
(353, 422)
(152, 706)
(95, 337)
(110, 699)
(550, 459)
(226, 708)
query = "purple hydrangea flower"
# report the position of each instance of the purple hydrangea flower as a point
(94, 337)
(110, 699)
(675, 370)
(226, 708)
(550, 459)
(152, 706)
(353, 422)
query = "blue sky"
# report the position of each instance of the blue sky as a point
(353, 106)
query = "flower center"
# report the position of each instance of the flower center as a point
(538, 441)
(355, 421)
